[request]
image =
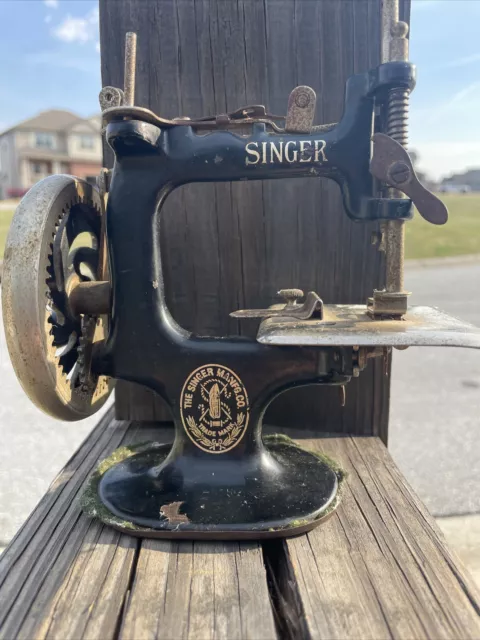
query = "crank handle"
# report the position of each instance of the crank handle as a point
(391, 164)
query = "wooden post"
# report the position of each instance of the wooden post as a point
(231, 246)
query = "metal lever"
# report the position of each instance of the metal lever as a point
(391, 164)
(301, 110)
(313, 305)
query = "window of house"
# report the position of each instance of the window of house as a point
(87, 141)
(3, 153)
(44, 140)
(40, 168)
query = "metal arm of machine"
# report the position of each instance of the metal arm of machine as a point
(341, 152)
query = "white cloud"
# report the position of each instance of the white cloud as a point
(52, 59)
(461, 62)
(97, 47)
(447, 135)
(460, 97)
(460, 105)
(440, 159)
(53, 4)
(73, 30)
(79, 30)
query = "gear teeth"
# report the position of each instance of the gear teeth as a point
(79, 375)
(52, 291)
(85, 339)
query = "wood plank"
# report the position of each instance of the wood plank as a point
(66, 576)
(380, 567)
(229, 246)
(37, 547)
(138, 402)
(89, 600)
(199, 590)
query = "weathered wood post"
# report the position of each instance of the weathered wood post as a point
(231, 246)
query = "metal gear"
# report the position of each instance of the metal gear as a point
(72, 336)
(54, 243)
(85, 348)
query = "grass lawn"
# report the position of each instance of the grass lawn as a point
(6, 216)
(460, 236)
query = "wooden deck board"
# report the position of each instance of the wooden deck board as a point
(66, 576)
(210, 590)
(378, 568)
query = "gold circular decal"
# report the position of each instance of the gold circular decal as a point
(214, 408)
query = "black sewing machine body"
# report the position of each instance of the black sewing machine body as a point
(146, 346)
(220, 478)
(227, 481)
(151, 161)
(176, 155)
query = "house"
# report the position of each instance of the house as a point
(464, 182)
(54, 141)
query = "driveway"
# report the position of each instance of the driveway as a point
(34, 448)
(435, 398)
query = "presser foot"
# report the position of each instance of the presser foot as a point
(279, 490)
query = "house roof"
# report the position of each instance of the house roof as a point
(51, 120)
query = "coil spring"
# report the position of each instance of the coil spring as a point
(397, 119)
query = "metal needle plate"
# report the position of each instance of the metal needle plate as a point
(345, 325)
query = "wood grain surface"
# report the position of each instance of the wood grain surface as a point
(234, 245)
(65, 576)
(378, 568)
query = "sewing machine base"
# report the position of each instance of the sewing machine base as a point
(278, 490)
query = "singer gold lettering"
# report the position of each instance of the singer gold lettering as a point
(289, 152)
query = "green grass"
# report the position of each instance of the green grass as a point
(460, 236)
(5, 219)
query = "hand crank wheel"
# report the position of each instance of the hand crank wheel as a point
(54, 243)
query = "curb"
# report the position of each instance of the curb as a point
(449, 261)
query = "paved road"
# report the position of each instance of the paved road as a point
(434, 432)
(33, 448)
(435, 406)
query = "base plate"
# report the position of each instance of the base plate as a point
(350, 324)
(282, 491)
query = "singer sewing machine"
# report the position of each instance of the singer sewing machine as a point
(84, 304)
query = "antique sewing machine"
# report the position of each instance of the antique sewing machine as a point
(84, 303)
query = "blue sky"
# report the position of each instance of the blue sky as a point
(445, 105)
(49, 57)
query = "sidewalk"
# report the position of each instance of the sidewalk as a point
(448, 261)
(463, 536)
